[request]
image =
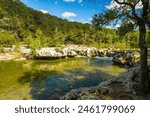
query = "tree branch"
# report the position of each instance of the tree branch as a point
(137, 17)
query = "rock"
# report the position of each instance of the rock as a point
(90, 52)
(71, 54)
(8, 49)
(119, 60)
(101, 53)
(69, 51)
(65, 51)
(106, 52)
(126, 57)
(125, 86)
(110, 53)
(21, 59)
(48, 53)
(26, 51)
(81, 51)
(7, 57)
(135, 57)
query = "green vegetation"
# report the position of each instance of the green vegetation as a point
(22, 25)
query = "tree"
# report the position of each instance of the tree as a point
(137, 11)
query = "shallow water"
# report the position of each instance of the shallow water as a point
(43, 80)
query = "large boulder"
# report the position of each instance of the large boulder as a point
(71, 54)
(119, 60)
(91, 52)
(69, 51)
(102, 52)
(65, 51)
(48, 53)
(81, 50)
(126, 57)
(105, 52)
(133, 58)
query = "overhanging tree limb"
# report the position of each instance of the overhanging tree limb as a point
(132, 7)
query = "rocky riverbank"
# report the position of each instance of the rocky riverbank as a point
(120, 57)
(125, 87)
(16, 53)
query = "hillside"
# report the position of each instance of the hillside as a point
(19, 23)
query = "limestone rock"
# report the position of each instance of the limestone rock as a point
(48, 53)
(91, 52)
(71, 54)
(119, 60)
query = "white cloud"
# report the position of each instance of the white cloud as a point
(139, 5)
(114, 4)
(67, 15)
(69, 0)
(44, 11)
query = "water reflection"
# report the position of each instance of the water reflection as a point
(52, 79)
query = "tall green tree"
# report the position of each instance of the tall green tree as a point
(137, 11)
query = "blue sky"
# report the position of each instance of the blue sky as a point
(73, 10)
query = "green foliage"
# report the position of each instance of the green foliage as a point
(36, 42)
(21, 24)
(58, 38)
(104, 18)
(39, 40)
(126, 27)
(6, 38)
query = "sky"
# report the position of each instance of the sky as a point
(72, 10)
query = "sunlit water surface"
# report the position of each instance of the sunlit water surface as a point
(43, 80)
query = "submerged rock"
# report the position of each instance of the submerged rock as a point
(126, 86)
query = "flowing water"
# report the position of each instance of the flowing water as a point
(44, 80)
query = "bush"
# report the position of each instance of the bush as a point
(7, 38)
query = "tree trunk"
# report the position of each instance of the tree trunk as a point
(144, 78)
